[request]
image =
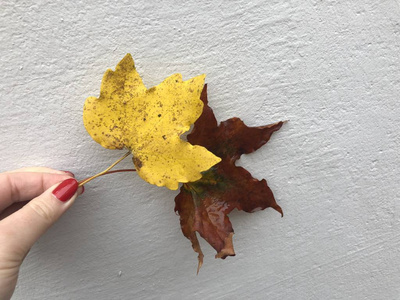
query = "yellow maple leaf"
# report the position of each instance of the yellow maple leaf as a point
(149, 122)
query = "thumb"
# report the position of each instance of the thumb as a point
(23, 228)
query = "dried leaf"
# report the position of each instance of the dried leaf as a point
(203, 205)
(149, 122)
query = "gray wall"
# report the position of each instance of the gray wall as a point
(330, 67)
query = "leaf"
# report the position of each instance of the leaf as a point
(203, 205)
(149, 122)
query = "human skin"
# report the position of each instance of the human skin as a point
(31, 201)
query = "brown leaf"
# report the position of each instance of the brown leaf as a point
(204, 205)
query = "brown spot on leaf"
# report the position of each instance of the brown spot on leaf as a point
(138, 163)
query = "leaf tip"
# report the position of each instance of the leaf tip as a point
(126, 63)
(278, 209)
(127, 57)
(200, 264)
(228, 248)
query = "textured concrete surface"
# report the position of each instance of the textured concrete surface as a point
(330, 67)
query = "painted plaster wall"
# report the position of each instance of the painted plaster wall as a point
(330, 67)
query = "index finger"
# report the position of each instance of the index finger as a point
(23, 186)
(38, 170)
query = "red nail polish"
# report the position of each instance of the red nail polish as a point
(69, 173)
(66, 189)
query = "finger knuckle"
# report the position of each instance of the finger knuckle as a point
(43, 210)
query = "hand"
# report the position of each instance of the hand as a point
(50, 193)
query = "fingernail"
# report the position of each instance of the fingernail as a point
(81, 190)
(69, 173)
(66, 189)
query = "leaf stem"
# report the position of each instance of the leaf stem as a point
(109, 172)
(106, 171)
